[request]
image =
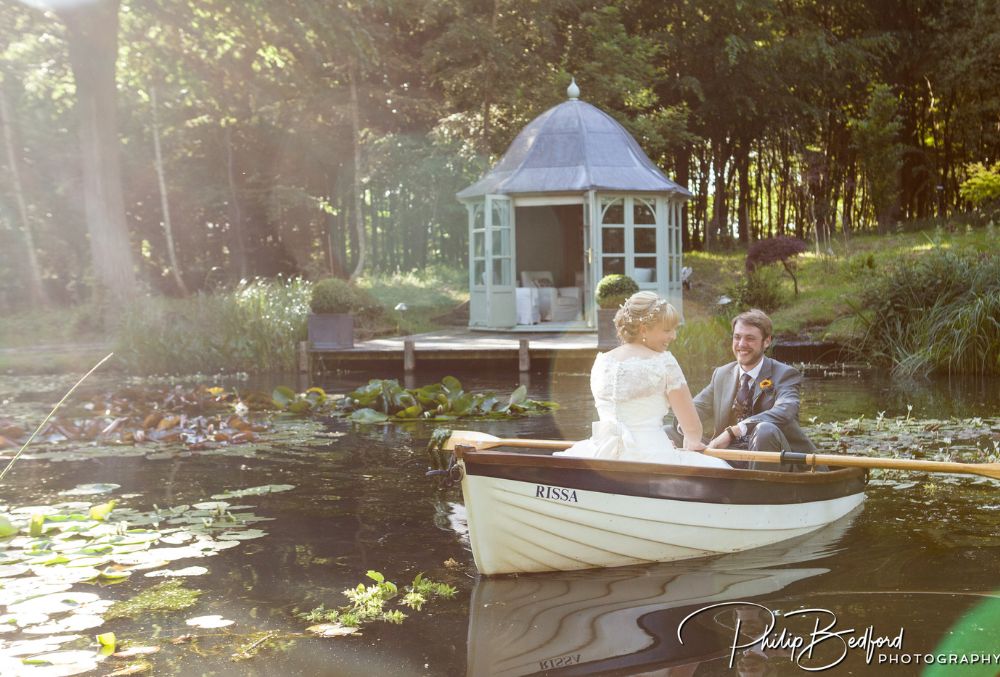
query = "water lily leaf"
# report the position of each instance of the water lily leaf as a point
(11, 570)
(332, 630)
(366, 416)
(254, 491)
(214, 621)
(411, 412)
(6, 528)
(282, 396)
(78, 657)
(72, 623)
(89, 489)
(519, 395)
(107, 641)
(241, 535)
(53, 604)
(101, 512)
(188, 571)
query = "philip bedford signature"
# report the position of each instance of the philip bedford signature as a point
(754, 629)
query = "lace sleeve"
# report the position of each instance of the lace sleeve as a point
(675, 377)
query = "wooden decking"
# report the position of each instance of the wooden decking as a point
(505, 350)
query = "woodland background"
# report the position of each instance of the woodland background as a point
(173, 146)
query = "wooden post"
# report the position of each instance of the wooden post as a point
(523, 357)
(409, 355)
(304, 357)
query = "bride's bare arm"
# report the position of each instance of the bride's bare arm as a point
(682, 405)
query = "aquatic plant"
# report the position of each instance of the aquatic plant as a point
(47, 550)
(382, 400)
(170, 595)
(368, 604)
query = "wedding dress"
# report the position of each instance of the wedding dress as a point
(631, 398)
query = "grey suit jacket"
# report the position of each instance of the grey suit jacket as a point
(778, 404)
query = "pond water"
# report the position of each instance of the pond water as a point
(921, 558)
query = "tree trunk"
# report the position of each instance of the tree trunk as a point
(237, 239)
(92, 34)
(36, 289)
(356, 190)
(168, 230)
(743, 208)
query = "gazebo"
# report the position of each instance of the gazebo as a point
(573, 199)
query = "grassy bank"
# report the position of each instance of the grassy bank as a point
(257, 326)
(253, 327)
(830, 285)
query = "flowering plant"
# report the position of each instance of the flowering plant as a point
(766, 384)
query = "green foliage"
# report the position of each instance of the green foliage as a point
(166, 596)
(759, 289)
(368, 603)
(254, 327)
(876, 139)
(936, 312)
(382, 400)
(982, 188)
(703, 342)
(613, 290)
(332, 295)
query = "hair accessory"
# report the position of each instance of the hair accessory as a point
(653, 313)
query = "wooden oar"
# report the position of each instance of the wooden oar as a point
(482, 441)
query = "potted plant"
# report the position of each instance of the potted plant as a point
(612, 291)
(331, 324)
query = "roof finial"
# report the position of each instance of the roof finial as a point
(573, 92)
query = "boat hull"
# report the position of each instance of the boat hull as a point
(536, 513)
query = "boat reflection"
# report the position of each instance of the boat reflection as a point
(624, 621)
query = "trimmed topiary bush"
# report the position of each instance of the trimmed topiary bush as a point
(614, 290)
(333, 296)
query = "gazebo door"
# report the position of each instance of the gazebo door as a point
(500, 305)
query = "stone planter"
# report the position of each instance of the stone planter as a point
(331, 332)
(607, 338)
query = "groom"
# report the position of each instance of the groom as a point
(754, 401)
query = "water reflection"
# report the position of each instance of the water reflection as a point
(625, 620)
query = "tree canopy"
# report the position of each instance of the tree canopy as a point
(304, 137)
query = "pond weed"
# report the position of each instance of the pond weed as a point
(170, 595)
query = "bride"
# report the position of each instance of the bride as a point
(634, 387)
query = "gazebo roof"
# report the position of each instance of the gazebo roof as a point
(572, 148)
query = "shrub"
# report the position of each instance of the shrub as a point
(937, 312)
(254, 327)
(781, 249)
(332, 295)
(759, 289)
(982, 188)
(614, 290)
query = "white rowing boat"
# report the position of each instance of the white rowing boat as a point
(533, 512)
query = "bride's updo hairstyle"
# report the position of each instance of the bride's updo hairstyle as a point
(643, 309)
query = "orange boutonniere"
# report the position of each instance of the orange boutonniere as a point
(766, 384)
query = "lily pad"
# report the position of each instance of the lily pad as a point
(253, 491)
(89, 489)
(188, 571)
(208, 622)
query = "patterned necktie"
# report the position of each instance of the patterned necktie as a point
(743, 398)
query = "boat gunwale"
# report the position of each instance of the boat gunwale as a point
(522, 459)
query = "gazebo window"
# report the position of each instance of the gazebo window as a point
(628, 238)
(501, 254)
(644, 233)
(612, 236)
(478, 246)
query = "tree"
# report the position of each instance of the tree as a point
(781, 249)
(92, 37)
(875, 138)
